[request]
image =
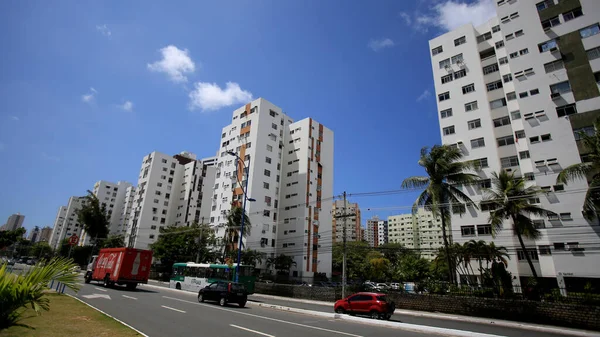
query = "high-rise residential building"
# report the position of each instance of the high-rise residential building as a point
(34, 234)
(45, 234)
(513, 94)
(66, 223)
(169, 193)
(376, 231)
(420, 231)
(14, 221)
(353, 223)
(125, 211)
(290, 170)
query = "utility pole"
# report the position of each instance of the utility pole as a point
(344, 216)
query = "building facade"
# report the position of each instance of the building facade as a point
(376, 231)
(169, 193)
(420, 231)
(45, 234)
(14, 221)
(289, 171)
(66, 223)
(513, 95)
(34, 234)
(353, 223)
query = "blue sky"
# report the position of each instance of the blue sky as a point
(88, 88)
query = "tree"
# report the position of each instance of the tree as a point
(412, 268)
(445, 172)
(18, 291)
(379, 266)
(182, 244)
(509, 199)
(234, 225)
(113, 241)
(41, 249)
(8, 238)
(94, 217)
(357, 265)
(590, 170)
(281, 263)
(252, 257)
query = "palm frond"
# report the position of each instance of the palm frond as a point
(574, 172)
(415, 182)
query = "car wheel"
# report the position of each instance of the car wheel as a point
(201, 298)
(222, 302)
(340, 310)
(105, 282)
(242, 304)
(375, 314)
(88, 278)
(388, 316)
(178, 286)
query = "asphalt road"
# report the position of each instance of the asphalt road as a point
(427, 321)
(166, 312)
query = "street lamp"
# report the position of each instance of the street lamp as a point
(244, 189)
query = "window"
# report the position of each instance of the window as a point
(534, 92)
(515, 114)
(484, 37)
(495, 29)
(498, 122)
(529, 176)
(544, 4)
(467, 230)
(266, 185)
(514, 55)
(444, 63)
(436, 50)
(547, 24)
(546, 137)
(533, 255)
(503, 60)
(504, 141)
(468, 88)
(490, 69)
(448, 130)
(457, 58)
(548, 45)
(494, 85)
(446, 113)
(471, 106)
(523, 94)
(593, 53)
(484, 229)
(444, 96)
(570, 15)
(519, 33)
(507, 78)
(498, 103)
(267, 173)
(460, 41)
(269, 148)
(566, 110)
(499, 44)
(459, 74)
(474, 124)
(478, 142)
(509, 161)
(588, 130)
(534, 139)
(524, 155)
(560, 88)
(481, 162)
(509, 36)
(544, 250)
(524, 51)
(268, 160)
(485, 183)
(274, 126)
(447, 78)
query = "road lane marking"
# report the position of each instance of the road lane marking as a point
(181, 311)
(250, 330)
(97, 296)
(100, 289)
(133, 298)
(267, 318)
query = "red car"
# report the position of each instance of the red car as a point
(375, 305)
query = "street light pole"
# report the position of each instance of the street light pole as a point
(344, 252)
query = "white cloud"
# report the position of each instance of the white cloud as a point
(378, 44)
(103, 29)
(175, 63)
(127, 106)
(451, 14)
(425, 95)
(90, 96)
(14, 118)
(209, 96)
(48, 157)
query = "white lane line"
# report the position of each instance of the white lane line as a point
(133, 298)
(250, 330)
(264, 317)
(100, 289)
(181, 311)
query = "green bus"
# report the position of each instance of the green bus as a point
(195, 276)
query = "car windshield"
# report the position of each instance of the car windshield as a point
(382, 298)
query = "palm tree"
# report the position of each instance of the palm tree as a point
(281, 263)
(17, 291)
(445, 172)
(496, 254)
(94, 217)
(252, 257)
(589, 170)
(234, 225)
(510, 199)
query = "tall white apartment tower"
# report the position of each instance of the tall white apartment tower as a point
(513, 94)
(169, 193)
(66, 223)
(57, 227)
(290, 170)
(353, 223)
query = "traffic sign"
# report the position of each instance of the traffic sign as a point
(73, 240)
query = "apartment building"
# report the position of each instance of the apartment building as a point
(420, 231)
(34, 234)
(15, 221)
(376, 231)
(169, 193)
(66, 223)
(45, 234)
(127, 203)
(353, 223)
(289, 171)
(513, 94)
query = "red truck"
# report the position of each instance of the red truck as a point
(128, 266)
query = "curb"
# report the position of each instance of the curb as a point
(102, 312)
(449, 317)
